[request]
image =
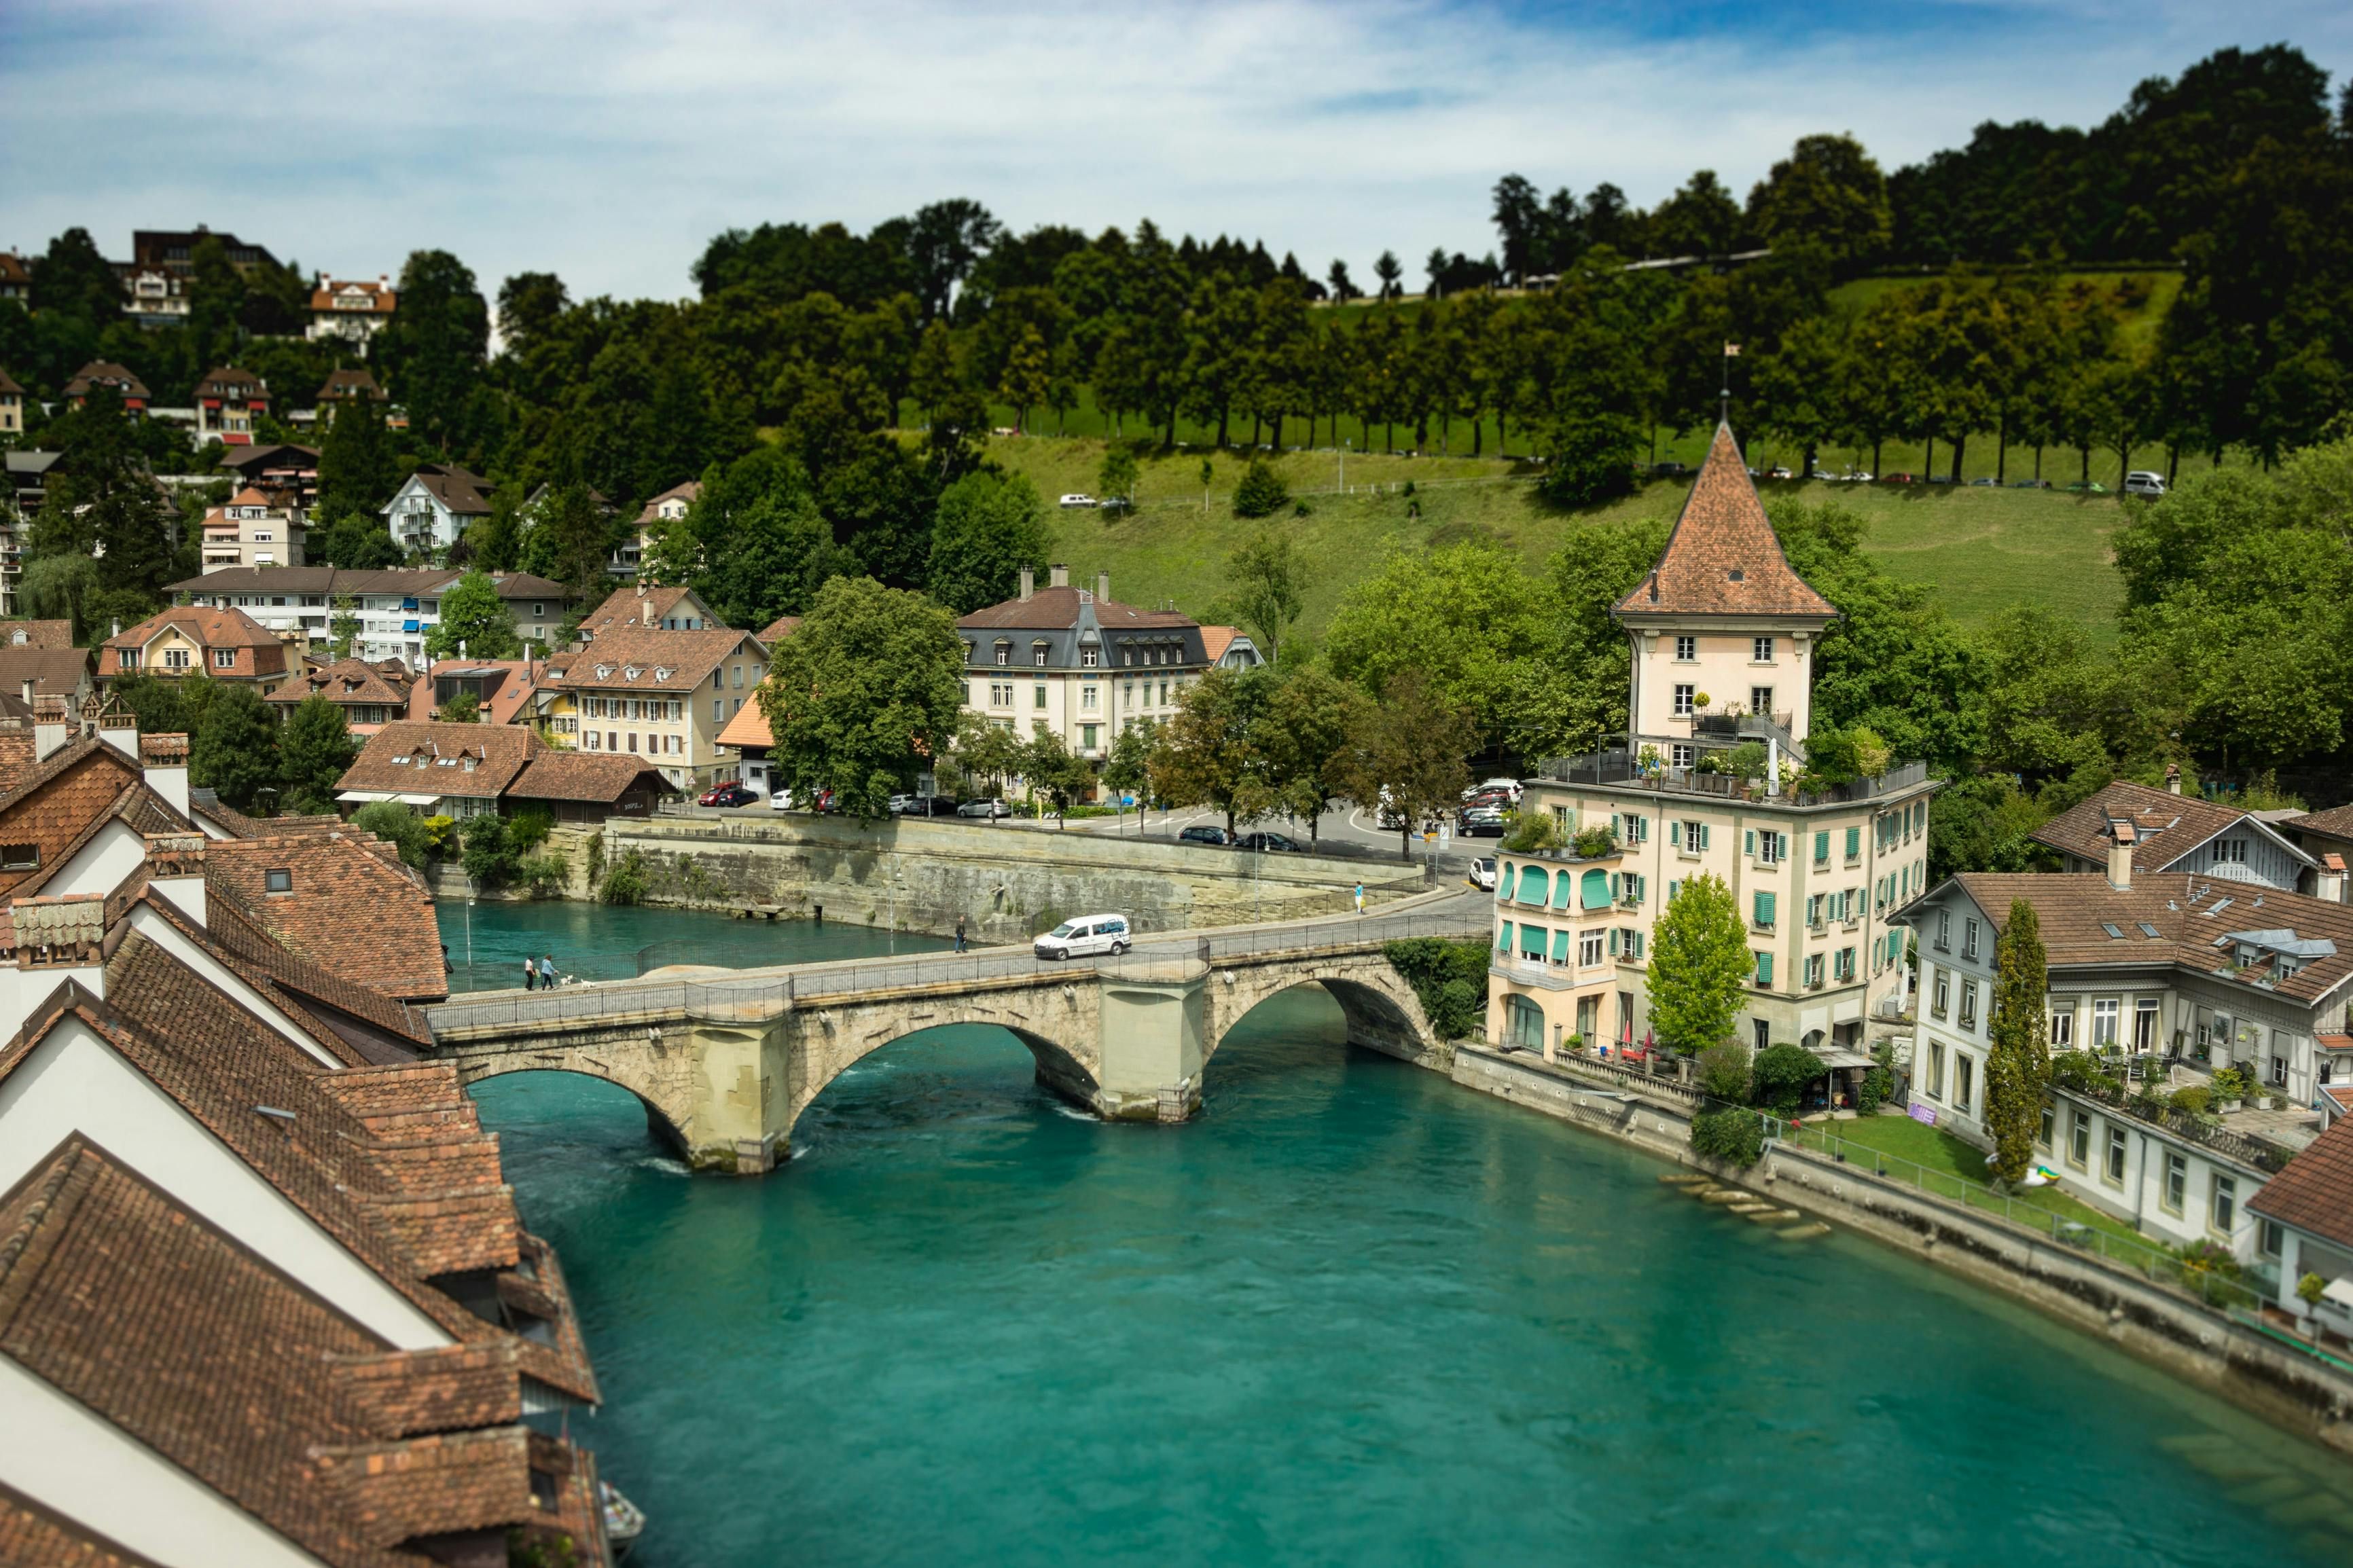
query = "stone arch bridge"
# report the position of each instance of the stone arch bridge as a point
(726, 1060)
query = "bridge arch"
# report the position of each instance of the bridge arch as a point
(1381, 1010)
(1057, 1028)
(667, 1122)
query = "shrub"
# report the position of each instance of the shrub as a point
(1780, 1074)
(2080, 1070)
(1261, 492)
(1450, 978)
(439, 830)
(397, 825)
(1724, 1071)
(1878, 1085)
(626, 883)
(2209, 1257)
(1745, 761)
(1531, 831)
(2310, 1289)
(528, 829)
(1593, 843)
(544, 873)
(1735, 1136)
(2195, 1100)
(2233, 1083)
(488, 857)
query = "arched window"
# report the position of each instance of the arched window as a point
(1524, 1023)
(1534, 885)
(1503, 885)
(1593, 890)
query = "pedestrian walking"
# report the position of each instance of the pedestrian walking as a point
(530, 974)
(1360, 898)
(959, 947)
(547, 972)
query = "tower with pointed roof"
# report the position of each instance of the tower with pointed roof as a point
(1723, 627)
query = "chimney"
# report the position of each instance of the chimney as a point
(1102, 585)
(2330, 884)
(2121, 839)
(28, 693)
(165, 759)
(175, 868)
(1058, 576)
(2173, 778)
(51, 731)
(55, 939)
(1028, 583)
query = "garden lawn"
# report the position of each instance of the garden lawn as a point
(1939, 1153)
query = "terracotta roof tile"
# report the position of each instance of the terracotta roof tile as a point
(2337, 822)
(56, 803)
(649, 658)
(362, 918)
(100, 372)
(349, 680)
(599, 777)
(775, 631)
(474, 760)
(747, 726)
(37, 634)
(1723, 558)
(2165, 825)
(2315, 1194)
(1057, 609)
(32, 1536)
(688, 492)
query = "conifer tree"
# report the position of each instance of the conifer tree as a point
(2018, 1067)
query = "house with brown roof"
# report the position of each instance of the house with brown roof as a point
(589, 787)
(2305, 1214)
(2326, 837)
(16, 279)
(352, 309)
(252, 530)
(648, 604)
(646, 692)
(12, 405)
(1723, 632)
(230, 404)
(286, 473)
(1077, 662)
(442, 770)
(505, 690)
(371, 695)
(341, 901)
(653, 516)
(37, 634)
(2173, 976)
(2174, 833)
(432, 511)
(101, 372)
(225, 645)
(349, 384)
(27, 671)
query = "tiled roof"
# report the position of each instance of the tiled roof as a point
(647, 658)
(382, 298)
(2165, 825)
(2315, 1194)
(1057, 609)
(685, 492)
(508, 700)
(350, 383)
(473, 760)
(350, 680)
(33, 1535)
(206, 805)
(228, 381)
(2337, 822)
(55, 670)
(206, 628)
(37, 634)
(357, 1024)
(406, 582)
(2191, 914)
(747, 726)
(8, 387)
(602, 777)
(53, 804)
(1723, 558)
(460, 489)
(356, 913)
(100, 372)
(645, 604)
(775, 631)
(1215, 640)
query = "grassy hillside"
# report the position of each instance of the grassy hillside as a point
(1980, 549)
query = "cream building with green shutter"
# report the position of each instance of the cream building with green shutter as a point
(1816, 876)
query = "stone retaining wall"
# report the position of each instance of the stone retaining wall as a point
(2195, 1342)
(1008, 882)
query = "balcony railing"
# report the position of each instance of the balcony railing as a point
(1619, 767)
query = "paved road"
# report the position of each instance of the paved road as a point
(757, 993)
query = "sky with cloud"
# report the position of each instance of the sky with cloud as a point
(608, 142)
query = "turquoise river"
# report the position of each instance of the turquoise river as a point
(1352, 1314)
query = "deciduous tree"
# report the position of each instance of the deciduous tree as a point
(474, 621)
(1406, 753)
(1699, 967)
(314, 750)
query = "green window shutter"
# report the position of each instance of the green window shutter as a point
(1504, 887)
(1593, 890)
(1617, 887)
(1534, 885)
(1674, 835)
(1765, 908)
(1703, 836)
(1750, 838)
(1532, 943)
(1560, 947)
(1764, 969)
(1613, 942)
(1673, 886)
(1642, 889)
(1616, 826)
(1564, 888)
(1822, 845)
(1503, 936)
(1853, 842)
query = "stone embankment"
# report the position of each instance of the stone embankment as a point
(1007, 883)
(2201, 1345)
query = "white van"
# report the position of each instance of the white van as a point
(2141, 483)
(1085, 938)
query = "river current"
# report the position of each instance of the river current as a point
(1351, 1314)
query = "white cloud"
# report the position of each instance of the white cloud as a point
(609, 142)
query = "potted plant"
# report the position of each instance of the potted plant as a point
(2308, 1291)
(2229, 1088)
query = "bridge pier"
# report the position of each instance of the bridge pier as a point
(1150, 1043)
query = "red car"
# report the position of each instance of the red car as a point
(1897, 479)
(729, 794)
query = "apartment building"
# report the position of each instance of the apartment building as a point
(1079, 663)
(370, 695)
(394, 609)
(655, 693)
(253, 532)
(434, 506)
(1816, 874)
(230, 405)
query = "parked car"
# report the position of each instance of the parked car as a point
(1076, 500)
(991, 809)
(1898, 479)
(1859, 477)
(1203, 833)
(1670, 470)
(934, 805)
(1509, 786)
(1085, 938)
(2141, 483)
(2029, 484)
(781, 798)
(1781, 471)
(1481, 825)
(729, 794)
(1270, 844)
(1482, 873)
(2088, 488)
(1984, 484)
(900, 805)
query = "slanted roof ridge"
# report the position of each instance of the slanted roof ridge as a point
(1723, 556)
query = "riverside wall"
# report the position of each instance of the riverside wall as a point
(1008, 883)
(2198, 1344)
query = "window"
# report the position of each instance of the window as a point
(2270, 1238)
(278, 879)
(1001, 694)
(1845, 964)
(1814, 909)
(2231, 852)
(1760, 701)
(1589, 949)
(1683, 701)
(1038, 697)
(20, 857)
(1682, 756)
(1532, 943)
(2114, 1170)
(1813, 970)
(1637, 829)
(1038, 654)
(2144, 1024)
(1944, 931)
(2063, 1030)
(1969, 938)
(1964, 1079)
(2103, 1022)
(1764, 969)
(175, 658)
(1762, 1032)
(2042, 1132)
(1629, 943)
(1087, 658)
(2176, 1182)
(1822, 848)
(674, 707)
(1087, 698)
(1686, 649)
(1969, 1005)
(1854, 844)
(1772, 847)
(2079, 1138)
(719, 710)
(1691, 838)
(1005, 653)
(1936, 1089)
(2279, 1073)
(1763, 650)
(2224, 1209)
(126, 658)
